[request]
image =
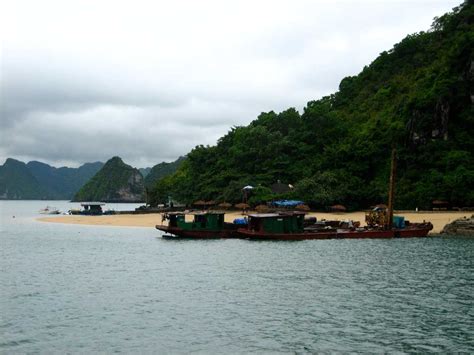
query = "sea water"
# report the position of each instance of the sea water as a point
(71, 288)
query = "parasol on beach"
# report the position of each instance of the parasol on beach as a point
(262, 208)
(225, 205)
(302, 207)
(242, 206)
(200, 203)
(338, 208)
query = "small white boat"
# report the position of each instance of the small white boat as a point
(49, 210)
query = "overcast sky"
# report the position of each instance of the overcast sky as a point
(82, 81)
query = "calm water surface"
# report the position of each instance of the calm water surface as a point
(66, 288)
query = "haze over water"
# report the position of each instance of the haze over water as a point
(69, 288)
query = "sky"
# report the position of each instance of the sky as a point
(82, 81)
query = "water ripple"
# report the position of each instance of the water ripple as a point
(113, 289)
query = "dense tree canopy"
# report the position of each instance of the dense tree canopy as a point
(415, 97)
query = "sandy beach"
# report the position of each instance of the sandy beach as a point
(438, 219)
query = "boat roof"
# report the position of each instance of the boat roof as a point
(196, 213)
(276, 215)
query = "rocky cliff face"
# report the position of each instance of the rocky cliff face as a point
(115, 182)
(463, 226)
(132, 191)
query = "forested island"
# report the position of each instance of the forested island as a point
(416, 97)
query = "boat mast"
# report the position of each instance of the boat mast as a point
(391, 191)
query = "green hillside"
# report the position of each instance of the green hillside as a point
(115, 182)
(416, 97)
(17, 182)
(159, 171)
(62, 183)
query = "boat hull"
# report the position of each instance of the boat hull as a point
(245, 233)
(375, 234)
(413, 232)
(197, 234)
(346, 234)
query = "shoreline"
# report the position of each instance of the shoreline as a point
(437, 218)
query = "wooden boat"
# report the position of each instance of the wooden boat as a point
(281, 226)
(290, 226)
(205, 225)
(89, 209)
(49, 210)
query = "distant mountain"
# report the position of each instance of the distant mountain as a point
(17, 182)
(161, 170)
(36, 180)
(63, 183)
(115, 182)
(144, 171)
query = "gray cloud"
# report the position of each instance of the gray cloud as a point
(150, 80)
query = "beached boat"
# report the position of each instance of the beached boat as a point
(282, 226)
(204, 225)
(89, 209)
(49, 210)
(290, 226)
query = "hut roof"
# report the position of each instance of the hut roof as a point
(279, 188)
(338, 208)
(439, 202)
(200, 203)
(92, 204)
(225, 204)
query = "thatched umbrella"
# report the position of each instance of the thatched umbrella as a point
(242, 206)
(338, 208)
(262, 208)
(302, 207)
(210, 203)
(225, 205)
(439, 202)
(381, 205)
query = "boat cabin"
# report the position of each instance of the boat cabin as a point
(277, 222)
(201, 220)
(92, 208)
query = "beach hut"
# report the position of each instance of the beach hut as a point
(439, 205)
(280, 188)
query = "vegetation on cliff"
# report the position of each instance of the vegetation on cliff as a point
(161, 170)
(415, 97)
(115, 182)
(17, 182)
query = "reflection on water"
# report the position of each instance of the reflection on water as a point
(69, 288)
